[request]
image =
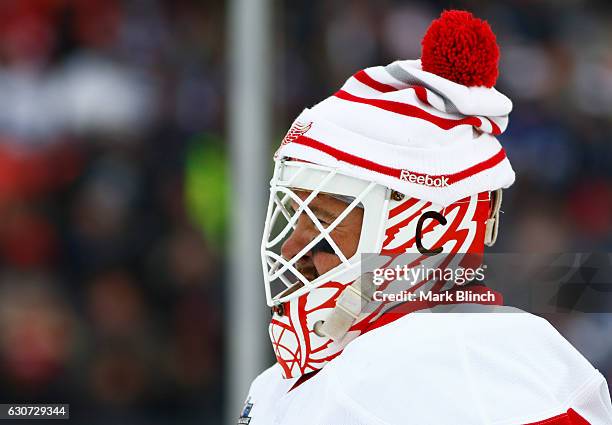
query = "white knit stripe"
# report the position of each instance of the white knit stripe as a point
(379, 74)
(394, 129)
(499, 176)
(403, 73)
(502, 122)
(357, 88)
(408, 97)
(442, 105)
(486, 125)
(467, 100)
(403, 82)
(435, 100)
(391, 125)
(404, 94)
(459, 153)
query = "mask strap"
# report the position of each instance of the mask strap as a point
(348, 308)
(492, 223)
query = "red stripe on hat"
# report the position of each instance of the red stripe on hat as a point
(496, 129)
(410, 111)
(396, 172)
(571, 417)
(421, 93)
(364, 78)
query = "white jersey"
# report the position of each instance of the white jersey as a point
(503, 368)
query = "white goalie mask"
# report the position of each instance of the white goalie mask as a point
(303, 336)
(300, 300)
(293, 188)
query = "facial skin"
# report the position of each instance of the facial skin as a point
(345, 235)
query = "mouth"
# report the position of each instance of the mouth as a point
(309, 271)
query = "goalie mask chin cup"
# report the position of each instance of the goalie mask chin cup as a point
(313, 320)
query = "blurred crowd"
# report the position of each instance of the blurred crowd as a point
(114, 177)
(111, 269)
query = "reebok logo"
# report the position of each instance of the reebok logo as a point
(425, 180)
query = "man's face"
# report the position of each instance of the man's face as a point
(345, 235)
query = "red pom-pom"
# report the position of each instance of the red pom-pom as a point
(461, 48)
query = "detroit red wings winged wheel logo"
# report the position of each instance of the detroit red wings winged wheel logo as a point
(296, 130)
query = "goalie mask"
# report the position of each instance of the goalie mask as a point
(358, 174)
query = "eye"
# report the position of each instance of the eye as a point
(325, 220)
(325, 223)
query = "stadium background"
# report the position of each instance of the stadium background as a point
(115, 178)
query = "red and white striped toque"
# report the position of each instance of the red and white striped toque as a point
(421, 127)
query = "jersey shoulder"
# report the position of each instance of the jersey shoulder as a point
(485, 367)
(269, 379)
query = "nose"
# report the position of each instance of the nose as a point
(299, 238)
